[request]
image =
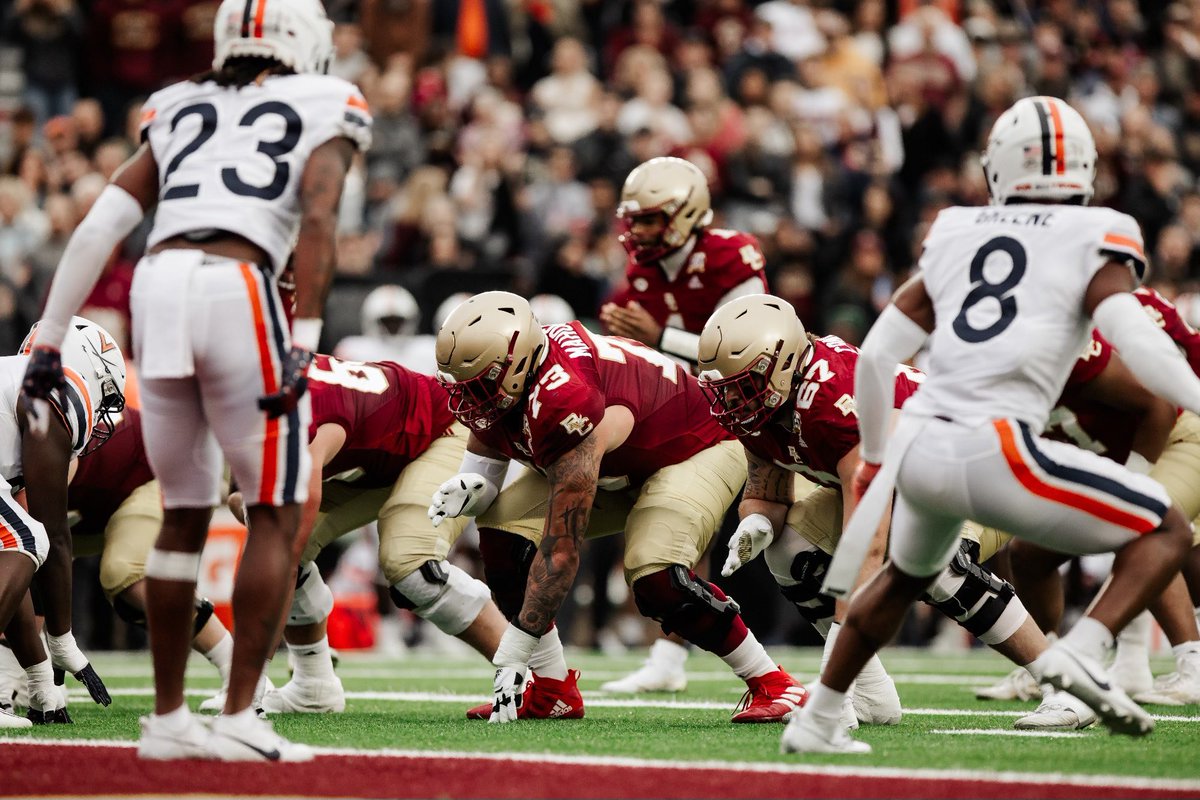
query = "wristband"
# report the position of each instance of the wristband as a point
(306, 333)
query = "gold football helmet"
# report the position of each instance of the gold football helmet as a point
(486, 351)
(669, 186)
(749, 351)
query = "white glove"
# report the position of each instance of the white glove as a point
(467, 493)
(512, 663)
(753, 535)
(66, 656)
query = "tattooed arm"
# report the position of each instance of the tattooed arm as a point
(769, 491)
(573, 480)
(316, 247)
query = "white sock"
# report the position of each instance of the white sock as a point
(1090, 637)
(176, 719)
(830, 640)
(1186, 653)
(547, 660)
(825, 705)
(1131, 641)
(247, 714)
(221, 656)
(668, 654)
(749, 659)
(311, 662)
(41, 678)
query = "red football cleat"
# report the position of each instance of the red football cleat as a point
(770, 697)
(545, 698)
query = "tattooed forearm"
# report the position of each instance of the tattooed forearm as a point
(316, 247)
(572, 490)
(765, 481)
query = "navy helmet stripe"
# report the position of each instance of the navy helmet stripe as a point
(246, 15)
(1090, 479)
(1047, 153)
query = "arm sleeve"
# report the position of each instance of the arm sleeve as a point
(893, 338)
(1148, 352)
(113, 217)
(680, 343)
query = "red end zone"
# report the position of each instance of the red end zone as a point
(80, 770)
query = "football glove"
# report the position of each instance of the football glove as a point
(467, 493)
(753, 535)
(292, 386)
(65, 656)
(43, 377)
(508, 692)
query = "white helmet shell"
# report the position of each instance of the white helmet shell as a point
(550, 309)
(296, 33)
(1040, 149)
(390, 301)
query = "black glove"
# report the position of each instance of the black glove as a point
(291, 387)
(95, 686)
(44, 373)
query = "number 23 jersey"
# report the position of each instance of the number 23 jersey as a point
(230, 158)
(1007, 285)
(583, 374)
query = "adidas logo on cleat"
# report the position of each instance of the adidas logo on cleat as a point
(560, 708)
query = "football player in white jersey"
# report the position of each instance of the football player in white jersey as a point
(243, 164)
(78, 416)
(1006, 296)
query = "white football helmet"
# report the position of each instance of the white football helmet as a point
(1040, 149)
(296, 33)
(390, 312)
(550, 309)
(93, 354)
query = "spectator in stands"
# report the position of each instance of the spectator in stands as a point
(569, 95)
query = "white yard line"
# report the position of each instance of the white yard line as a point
(595, 699)
(1006, 732)
(1124, 781)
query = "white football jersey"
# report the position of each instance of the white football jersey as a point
(77, 406)
(231, 158)
(1007, 285)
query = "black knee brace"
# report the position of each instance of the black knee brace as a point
(686, 605)
(808, 570)
(980, 601)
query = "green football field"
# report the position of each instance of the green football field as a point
(417, 703)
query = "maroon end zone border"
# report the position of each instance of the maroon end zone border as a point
(81, 770)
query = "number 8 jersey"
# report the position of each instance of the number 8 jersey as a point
(230, 158)
(1007, 285)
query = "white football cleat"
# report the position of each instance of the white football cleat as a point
(662, 672)
(1083, 677)
(14, 683)
(1133, 676)
(1181, 688)
(1059, 711)
(877, 702)
(163, 742)
(802, 736)
(306, 697)
(216, 703)
(245, 737)
(11, 720)
(849, 716)
(1016, 685)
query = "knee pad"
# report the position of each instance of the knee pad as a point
(807, 574)
(506, 560)
(204, 612)
(691, 607)
(128, 612)
(313, 601)
(983, 604)
(443, 594)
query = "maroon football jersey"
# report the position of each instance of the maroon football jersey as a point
(584, 373)
(1166, 316)
(823, 426)
(107, 476)
(390, 414)
(720, 261)
(1086, 423)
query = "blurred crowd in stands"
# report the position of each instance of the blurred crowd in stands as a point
(834, 130)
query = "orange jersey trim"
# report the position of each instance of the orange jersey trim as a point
(270, 453)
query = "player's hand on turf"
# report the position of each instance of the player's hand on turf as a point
(508, 692)
(864, 473)
(43, 376)
(753, 535)
(66, 656)
(292, 385)
(467, 493)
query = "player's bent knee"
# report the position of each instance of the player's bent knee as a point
(313, 601)
(687, 605)
(506, 560)
(800, 580)
(118, 574)
(983, 604)
(442, 593)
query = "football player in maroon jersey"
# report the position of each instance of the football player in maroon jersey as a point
(387, 441)
(679, 271)
(618, 437)
(789, 397)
